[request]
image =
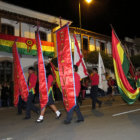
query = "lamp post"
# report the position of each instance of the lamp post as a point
(80, 22)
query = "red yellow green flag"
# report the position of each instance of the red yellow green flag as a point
(126, 84)
(26, 46)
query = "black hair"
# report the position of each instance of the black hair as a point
(95, 69)
(76, 68)
(31, 68)
(48, 70)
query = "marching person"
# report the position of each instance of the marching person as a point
(76, 108)
(50, 98)
(94, 88)
(32, 79)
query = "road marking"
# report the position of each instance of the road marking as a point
(126, 112)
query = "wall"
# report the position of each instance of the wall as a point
(27, 30)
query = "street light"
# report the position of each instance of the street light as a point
(80, 22)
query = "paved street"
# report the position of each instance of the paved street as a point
(114, 121)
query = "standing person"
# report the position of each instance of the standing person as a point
(110, 88)
(94, 88)
(76, 108)
(50, 98)
(4, 95)
(32, 79)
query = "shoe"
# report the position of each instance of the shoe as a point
(39, 120)
(57, 117)
(67, 122)
(100, 104)
(27, 118)
(78, 121)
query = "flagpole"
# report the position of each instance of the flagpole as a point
(125, 49)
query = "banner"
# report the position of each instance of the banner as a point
(20, 84)
(79, 61)
(126, 85)
(101, 71)
(43, 89)
(66, 67)
(26, 46)
(56, 75)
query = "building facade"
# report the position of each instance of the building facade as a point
(21, 22)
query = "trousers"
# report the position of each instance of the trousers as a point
(78, 112)
(94, 95)
(30, 106)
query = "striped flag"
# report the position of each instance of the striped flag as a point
(125, 82)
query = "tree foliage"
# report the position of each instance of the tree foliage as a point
(92, 58)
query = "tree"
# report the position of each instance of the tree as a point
(92, 57)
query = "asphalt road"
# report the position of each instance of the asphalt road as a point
(114, 121)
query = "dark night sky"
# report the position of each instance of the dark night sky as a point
(122, 14)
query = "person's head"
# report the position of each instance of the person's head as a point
(31, 70)
(75, 68)
(94, 70)
(110, 78)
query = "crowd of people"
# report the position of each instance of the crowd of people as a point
(81, 86)
(6, 94)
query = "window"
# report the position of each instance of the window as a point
(43, 35)
(85, 44)
(102, 46)
(7, 29)
(6, 71)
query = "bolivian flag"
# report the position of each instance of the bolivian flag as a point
(26, 46)
(126, 84)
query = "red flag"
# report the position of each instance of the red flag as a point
(20, 82)
(66, 67)
(43, 89)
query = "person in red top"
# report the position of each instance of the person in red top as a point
(50, 103)
(94, 88)
(32, 79)
(76, 108)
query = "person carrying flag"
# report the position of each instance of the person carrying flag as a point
(50, 98)
(32, 79)
(76, 108)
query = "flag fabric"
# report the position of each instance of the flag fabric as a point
(26, 46)
(20, 84)
(65, 65)
(101, 72)
(43, 89)
(79, 61)
(56, 75)
(126, 85)
(16, 87)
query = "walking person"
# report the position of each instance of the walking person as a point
(94, 88)
(50, 103)
(76, 108)
(32, 79)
